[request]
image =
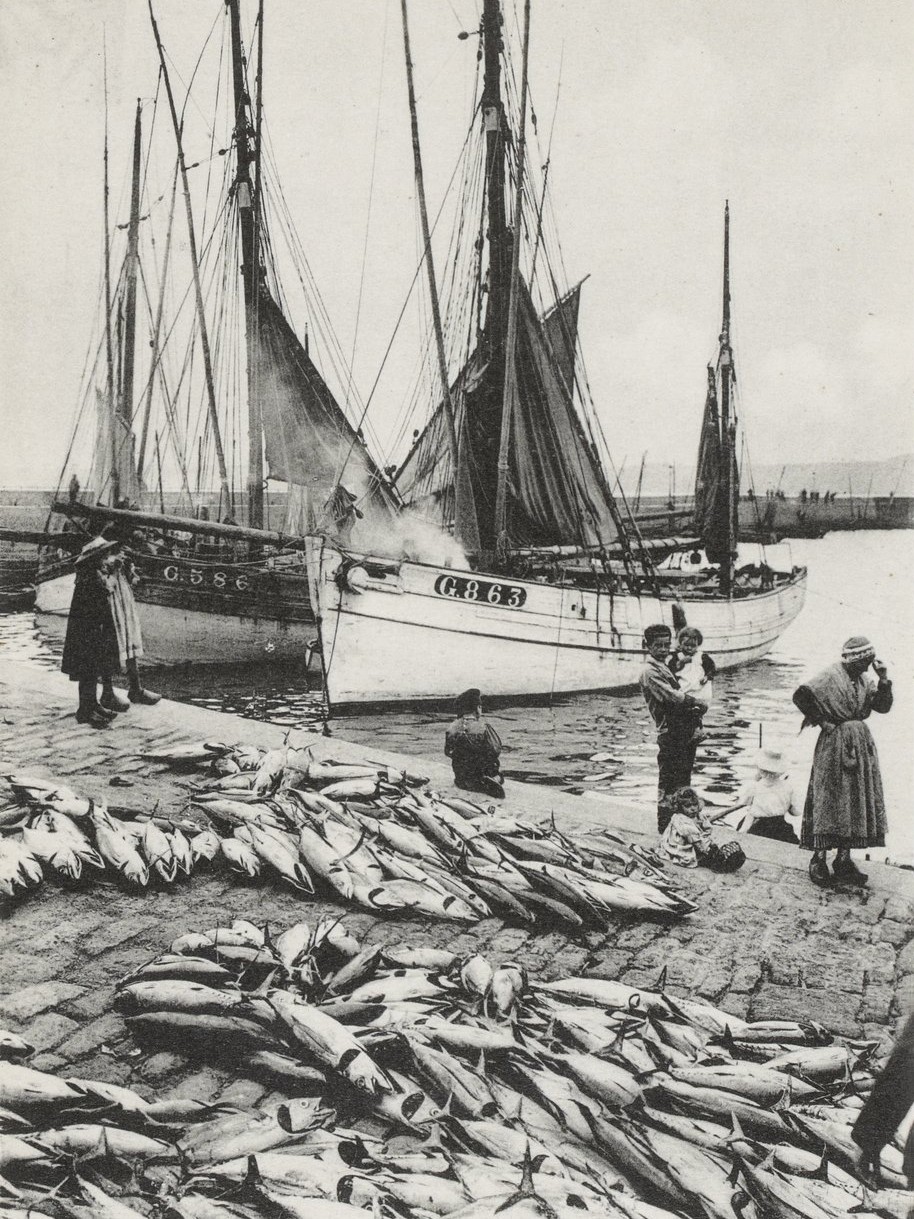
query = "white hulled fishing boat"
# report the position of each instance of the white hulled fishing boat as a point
(558, 584)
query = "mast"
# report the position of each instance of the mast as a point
(727, 423)
(245, 158)
(125, 403)
(493, 117)
(464, 522)
(510, 393)
(195, 263)
(109, 344)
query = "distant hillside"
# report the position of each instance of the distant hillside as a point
(860, 478)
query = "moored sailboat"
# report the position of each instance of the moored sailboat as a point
(558, 583)
(229, 397)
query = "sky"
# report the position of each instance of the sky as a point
(799, 114)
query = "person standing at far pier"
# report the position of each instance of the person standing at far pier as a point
(676, 715)
(845, 806)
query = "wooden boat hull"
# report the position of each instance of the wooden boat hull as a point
(408, 631)
(204, 612)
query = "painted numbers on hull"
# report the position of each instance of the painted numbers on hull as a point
(486, 591)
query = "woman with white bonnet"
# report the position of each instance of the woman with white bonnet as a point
(771, 809)
(845, 807)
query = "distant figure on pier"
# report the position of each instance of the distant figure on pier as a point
(845, 807)
(771, 811)
(677, 716)
(474, 747)
(803, 496)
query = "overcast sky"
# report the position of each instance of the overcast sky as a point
(799, 113)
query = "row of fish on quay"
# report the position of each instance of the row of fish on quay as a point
(421, 1083)
(371, 836)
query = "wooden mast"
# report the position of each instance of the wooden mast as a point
(250, 262)
(466, 530)
(510, 392)
(109, 343)
(195, 263)
(487, 429)
(727, 423)
(128, 356)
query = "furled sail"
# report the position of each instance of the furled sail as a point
(309, 442)
(114, 473)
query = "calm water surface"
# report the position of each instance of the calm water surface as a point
(859, 583)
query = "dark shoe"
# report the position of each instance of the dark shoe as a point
(819, 873)
(113, 702)
(148, 698)
(92, 718)
(104, 712)
(846, 872)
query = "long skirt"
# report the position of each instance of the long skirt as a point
(845, 806)
(126, 619)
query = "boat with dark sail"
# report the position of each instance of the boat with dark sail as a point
(200, 380)
(558, 582)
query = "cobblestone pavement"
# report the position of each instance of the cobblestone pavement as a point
(763, 944)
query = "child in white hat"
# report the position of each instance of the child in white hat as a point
(771, 809)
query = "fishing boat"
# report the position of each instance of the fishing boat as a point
(199, 379)
(557, 583)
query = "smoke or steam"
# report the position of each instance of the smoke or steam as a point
(408, 536)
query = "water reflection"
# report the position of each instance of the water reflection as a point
(858, 582)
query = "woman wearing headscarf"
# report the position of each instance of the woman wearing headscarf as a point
(474, 747)
(845, 806)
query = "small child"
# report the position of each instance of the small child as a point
(686, 841)
(772, 811)
(694, 671)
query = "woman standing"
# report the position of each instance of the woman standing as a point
(90, 650)
(845, 807)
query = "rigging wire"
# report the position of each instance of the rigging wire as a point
(374, 160)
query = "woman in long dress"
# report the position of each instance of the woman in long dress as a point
(845, 806)
(120, 576)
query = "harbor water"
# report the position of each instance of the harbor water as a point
(859, 583)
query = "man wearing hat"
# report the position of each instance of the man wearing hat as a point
(90, 650)
(845, 807)
(474, 747)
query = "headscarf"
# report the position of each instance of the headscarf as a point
(858, 647)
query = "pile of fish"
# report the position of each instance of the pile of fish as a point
(368, 835)
(441, 1085)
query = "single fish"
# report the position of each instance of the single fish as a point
(329, 1042)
